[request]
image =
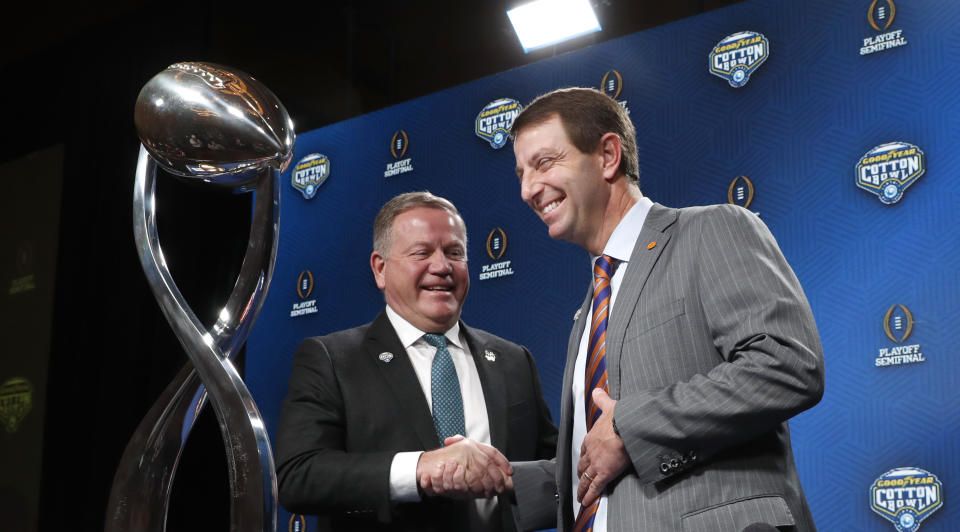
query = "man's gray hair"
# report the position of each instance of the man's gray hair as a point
(383, 223)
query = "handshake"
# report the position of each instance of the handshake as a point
(464, 469)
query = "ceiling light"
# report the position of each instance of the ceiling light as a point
(545, 22)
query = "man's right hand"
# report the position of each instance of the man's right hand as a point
(464, 469)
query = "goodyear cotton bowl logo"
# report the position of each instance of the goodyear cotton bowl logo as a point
(398, 148)
(496, 119)
(889, 169)
(612, 86)
(310, 173)
(16, 398)
(304, 289)
(496, 247)
(880, 15)
(906, 496)
(738, 55)
(898, 324)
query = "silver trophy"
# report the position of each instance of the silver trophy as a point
(209, 124)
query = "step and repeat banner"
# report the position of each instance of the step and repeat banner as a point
(837, 122)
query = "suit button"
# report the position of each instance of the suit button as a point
(674, 464)
(664, 468)
(692, 455)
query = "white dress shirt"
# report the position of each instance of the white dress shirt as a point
(619, 246)
(403, 468)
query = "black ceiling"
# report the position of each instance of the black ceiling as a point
(326, 62)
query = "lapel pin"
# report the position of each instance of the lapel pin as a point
(490, 355)
(576, 315)
(651, 244)
(386, 357)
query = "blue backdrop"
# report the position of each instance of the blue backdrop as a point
(838, 79)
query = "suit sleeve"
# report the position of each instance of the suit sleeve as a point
(535, 487)
(770, 364)
(313, 467)
(535, 494)
(546, 430)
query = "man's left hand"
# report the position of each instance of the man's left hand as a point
(602, 456)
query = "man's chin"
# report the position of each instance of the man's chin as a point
(442, 316)
(438, 300)
(558, 232)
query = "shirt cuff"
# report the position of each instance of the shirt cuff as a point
(403, 477)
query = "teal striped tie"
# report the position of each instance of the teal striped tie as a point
(445, 391)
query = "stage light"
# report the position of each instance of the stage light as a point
(545, 22)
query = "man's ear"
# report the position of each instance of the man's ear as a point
(377, 264)
(611, 149)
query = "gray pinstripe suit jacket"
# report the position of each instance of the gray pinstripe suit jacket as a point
(711, 347)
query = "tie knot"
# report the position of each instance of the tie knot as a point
(604, 266)
(436, 340)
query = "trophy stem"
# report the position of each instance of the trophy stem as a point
(139, 498)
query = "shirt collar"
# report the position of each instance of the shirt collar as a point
(624, 237)
(409, 334)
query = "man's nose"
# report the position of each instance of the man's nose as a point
(529, 187)
(440, 263)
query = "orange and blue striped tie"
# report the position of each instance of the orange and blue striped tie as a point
(595, 375)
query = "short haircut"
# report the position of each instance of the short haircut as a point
(586, 115)
(383, 223)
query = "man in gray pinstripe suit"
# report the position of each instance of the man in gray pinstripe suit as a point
(710, 345)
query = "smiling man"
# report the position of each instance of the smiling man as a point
(693, 347)
(359, 442)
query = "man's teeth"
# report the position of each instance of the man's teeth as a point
(550, 206)
(438, 288)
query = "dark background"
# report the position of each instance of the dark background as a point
(70, 77)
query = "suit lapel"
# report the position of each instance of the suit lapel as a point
(642, 260)
(566, 405)
(573, 347)
(494, 385)
(401, 379)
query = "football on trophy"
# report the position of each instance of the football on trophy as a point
(213, 124)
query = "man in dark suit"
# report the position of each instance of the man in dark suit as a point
(359, 441)
(694, 346)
